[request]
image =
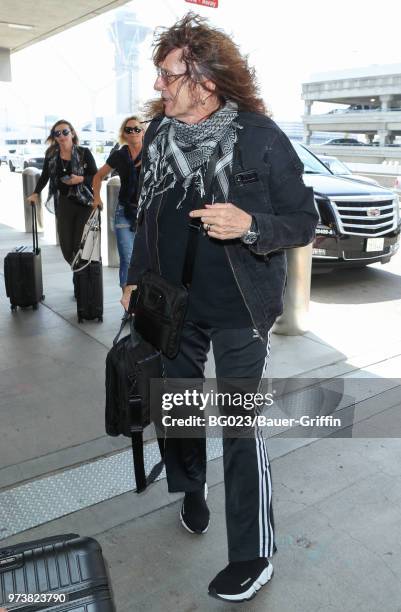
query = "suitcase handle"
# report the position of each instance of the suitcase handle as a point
(11, 562)
(13, 550)
(35, 229)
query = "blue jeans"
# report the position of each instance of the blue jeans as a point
(125, 241)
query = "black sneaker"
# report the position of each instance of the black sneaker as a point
(241, 580)
(194, 514)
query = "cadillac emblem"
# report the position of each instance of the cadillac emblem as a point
(373, 212)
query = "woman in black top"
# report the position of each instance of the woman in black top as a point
(70, 170)
(127, 162)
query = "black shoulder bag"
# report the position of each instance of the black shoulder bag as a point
(131, 364)
(160, 306)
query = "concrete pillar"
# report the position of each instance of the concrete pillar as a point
(113, 188)
(30, 177)
(383, 137)
(307, 130)
(308, 107)
(307, 135)
(5, 64)
(385, 101)
(294, 320)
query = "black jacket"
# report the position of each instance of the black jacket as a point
(266, 181)
(90, 170)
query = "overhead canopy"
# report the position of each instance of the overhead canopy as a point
(46, 18)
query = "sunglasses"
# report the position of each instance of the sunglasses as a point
(130, 130)
(63, 132)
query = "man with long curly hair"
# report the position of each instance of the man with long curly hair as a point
(209, 109)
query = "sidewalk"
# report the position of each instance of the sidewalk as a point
(336, 500)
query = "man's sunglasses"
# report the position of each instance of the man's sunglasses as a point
(130, 130)
(64, 132)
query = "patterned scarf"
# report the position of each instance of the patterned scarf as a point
(180, 152)
(79, 192)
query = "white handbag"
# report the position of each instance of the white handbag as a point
(89, 248)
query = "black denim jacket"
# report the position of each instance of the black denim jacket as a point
(266, 181)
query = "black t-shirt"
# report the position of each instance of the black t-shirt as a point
(214, 297)
(128, 171)
(63, 169)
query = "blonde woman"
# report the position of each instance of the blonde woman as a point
(127, 162)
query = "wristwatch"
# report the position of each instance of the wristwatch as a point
(252, 234)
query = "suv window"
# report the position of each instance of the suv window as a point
(337, 167)
(311, 164)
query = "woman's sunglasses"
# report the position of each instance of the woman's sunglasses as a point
(64, 132)
(130, 130)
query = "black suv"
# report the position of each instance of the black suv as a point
(359, 223)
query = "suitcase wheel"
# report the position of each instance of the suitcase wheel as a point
(13, 307)
(34, 306)
(42, 297)
(100, 319)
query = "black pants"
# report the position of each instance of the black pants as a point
(71, 218)
(238, 353)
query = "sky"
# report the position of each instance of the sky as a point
(71, 75)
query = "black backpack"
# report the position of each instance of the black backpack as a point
(130, 364)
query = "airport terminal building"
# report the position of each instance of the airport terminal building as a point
(369, 102)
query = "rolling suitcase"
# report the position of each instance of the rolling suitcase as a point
(23, 273)
(63, 573)
(88, 273)
(88, 287)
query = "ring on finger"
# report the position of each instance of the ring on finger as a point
(207, 227)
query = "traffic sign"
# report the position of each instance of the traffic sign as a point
(210, 3)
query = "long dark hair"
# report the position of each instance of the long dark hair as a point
(209, 54)
(51, 140)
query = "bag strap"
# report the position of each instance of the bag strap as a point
(195, 225)
(77, 256)
(141, 480)
(135, 337)
(94, 216)
(123, 322)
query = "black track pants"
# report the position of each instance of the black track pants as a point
(238, 353)
(71, 218)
